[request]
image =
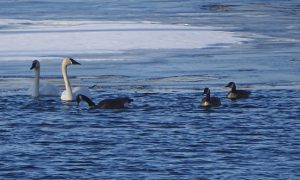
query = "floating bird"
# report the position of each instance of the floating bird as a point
(236, 94)
(41, 89)
(70, 93)
(117, 103)
(208, 101)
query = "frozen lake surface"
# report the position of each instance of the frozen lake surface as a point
(162, 54)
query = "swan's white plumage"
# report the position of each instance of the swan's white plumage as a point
(69, 94)
(75, 92)
(44, 88)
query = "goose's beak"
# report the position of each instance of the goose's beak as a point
(32, 67)
(74, 62)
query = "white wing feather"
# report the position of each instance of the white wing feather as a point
(48, 89)
(45, 89)
(76, 91)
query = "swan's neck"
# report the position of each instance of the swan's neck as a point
(67, 82)
(36, 83)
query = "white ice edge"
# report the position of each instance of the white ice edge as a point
(50, 37)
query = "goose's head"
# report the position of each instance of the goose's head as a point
(79, 98)
(230, 85)
(69, 61)
(128, 100)
(206, 91)
(35, 65)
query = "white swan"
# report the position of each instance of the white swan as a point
(70, 93)
(43, 89)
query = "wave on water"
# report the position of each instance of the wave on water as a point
(36, 38)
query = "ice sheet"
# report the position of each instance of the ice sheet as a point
(30, 38)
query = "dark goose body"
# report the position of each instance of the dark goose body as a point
(236, 94)
(117, 103)
(208, 101)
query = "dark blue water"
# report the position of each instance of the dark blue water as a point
(155, 138)
(164, 134)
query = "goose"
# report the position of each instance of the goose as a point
(208, 101)
(43, 89)
(117, 103)
(70, 93)
(236, 94)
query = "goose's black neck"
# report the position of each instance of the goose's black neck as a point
(208, 96)
(87, 100)
(233, 89)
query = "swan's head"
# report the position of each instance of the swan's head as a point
(230, 85)
(69, 61)
(35, 65)
(206, 91)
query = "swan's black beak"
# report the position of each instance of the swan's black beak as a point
(74, 62)
(34, 63)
